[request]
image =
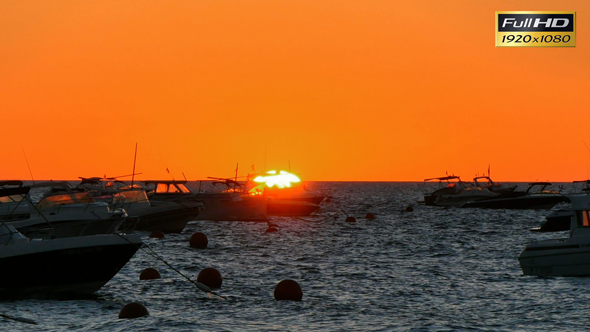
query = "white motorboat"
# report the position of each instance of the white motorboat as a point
(535, 197)
(65, 266)
(281, 197)
(145, 214)
(565, 256)
(66, 215)
(452, 191)
(218, 206)
(167, 217)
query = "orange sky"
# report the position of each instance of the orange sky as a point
(342, 90)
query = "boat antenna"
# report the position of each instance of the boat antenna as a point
(167, 170)
(134, 159)
(184, 176)
(30, 172)
(588, 151)
(236, 178)
(119, 176)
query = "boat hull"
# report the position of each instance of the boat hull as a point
(288, 208)
(40, 229)
(557, 257)
(220, 206)
(568, 257)
(523, 203)
(245, 209)
(166, 218)
(458, 200)
(72, 266)
(429, 200)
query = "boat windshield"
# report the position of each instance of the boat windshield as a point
(172, 188)
(73, 198)
(132, 196)
(583, 218)
(11, 198)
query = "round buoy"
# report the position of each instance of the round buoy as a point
(149, 274)
(370, 216)
(288, 290)
(133, 310)
(350, 219)
(271, 230)
(409, 209)
(210, 277)
(198, 240)
(157, 235)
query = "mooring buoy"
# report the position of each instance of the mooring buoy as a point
(210, 277)
(157, 235)
(133, 310)
(149, 274)
(288, 290)
(198, 240)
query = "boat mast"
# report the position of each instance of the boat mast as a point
(236, 177)
(27, 160)
(134, 159)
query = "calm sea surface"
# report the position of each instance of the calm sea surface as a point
(433, 269)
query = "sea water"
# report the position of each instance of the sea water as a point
(431, 269)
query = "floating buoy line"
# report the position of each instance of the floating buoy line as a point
(152, 253)
(19, 319)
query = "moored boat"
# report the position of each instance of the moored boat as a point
(447, 185)
(167, 217)
(504, 190)
(216, 206)
(63, 215)
(564, 256)
(164, 216)
(537, 196)
(285, 194)
(290, 208)
(65, 266)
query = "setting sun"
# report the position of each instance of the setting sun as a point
(281, 179)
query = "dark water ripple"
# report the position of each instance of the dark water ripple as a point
(431, 269)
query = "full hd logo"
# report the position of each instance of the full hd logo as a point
(536, 29)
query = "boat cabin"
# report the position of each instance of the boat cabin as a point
(13, 205)
(65, 199)
(539, 188)
(167, 187)
(580, 207)
(12, 195)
